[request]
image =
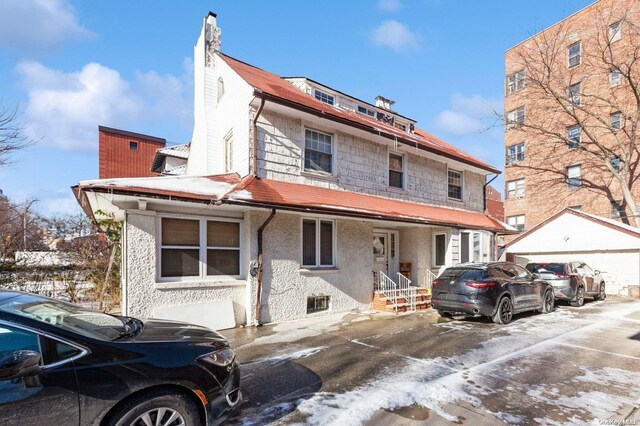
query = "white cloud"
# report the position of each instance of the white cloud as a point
(395, 35)
(389, 5)
(64, 109)
(466, 115)
(39, 25)
(59, 206)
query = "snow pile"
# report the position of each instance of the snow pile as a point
(200, 185)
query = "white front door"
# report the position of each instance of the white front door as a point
(385, 253)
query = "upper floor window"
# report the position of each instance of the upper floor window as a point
(617, 211)
(324, 97)
(515, 189)
(455, 184)
(366, 111)
(615, 32)
(516, 221)
(400, 126)
(515, 82)
(220, 88)
(573, 93)
(614, 77)
(396, 170)
(228, 152)
(616, 121)
(318, 238)
(574, 136)
(616, 163)
(574, 179)
(133, 146)
(515, 153)
(515, 118)
(574, 52)
(318, 151)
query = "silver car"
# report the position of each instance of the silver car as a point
(572, 281)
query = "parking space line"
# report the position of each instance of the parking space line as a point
(598, 350)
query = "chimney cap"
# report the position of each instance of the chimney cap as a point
(212, 14)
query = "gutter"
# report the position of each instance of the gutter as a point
(254, 165)
(484, 193)
(261, 263)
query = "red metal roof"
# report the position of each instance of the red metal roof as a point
(255, 192)
(266, 83)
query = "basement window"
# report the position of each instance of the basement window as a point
(318, 304)
(133, 146)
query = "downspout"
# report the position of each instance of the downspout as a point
(484, 193)
(260, 263)
(254, 164)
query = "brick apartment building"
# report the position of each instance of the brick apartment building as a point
(569, 109)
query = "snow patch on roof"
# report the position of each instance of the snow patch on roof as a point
(200, 185)
(179, 151)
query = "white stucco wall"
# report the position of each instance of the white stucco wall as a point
(361, 165)
(416, 246)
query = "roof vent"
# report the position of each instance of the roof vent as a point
(384, 103)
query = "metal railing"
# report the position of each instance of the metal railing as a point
(407, 290)
(388, 288)
(426, 279)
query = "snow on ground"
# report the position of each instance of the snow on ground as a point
(290, 356)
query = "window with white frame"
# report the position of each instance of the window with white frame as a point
(574, 136)
(455, 184)
(396, 170)
(366, 111)
(616, 121)
(470, 247)
(515, 153)
(515, 82)
(516, 221)
(574, 179)
(515, 118)
(439, 249)
(199, 248)
(573, 93)
(324, 97)
(220, 88)
(615, 32)
(228, 152)
(614, 77)
(574, 54)
(318, 237)
(318, 151)
(515, 189)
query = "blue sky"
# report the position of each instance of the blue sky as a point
(71, 65)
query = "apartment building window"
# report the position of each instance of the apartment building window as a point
(616, 162)
(515, 82)
(318, 151)
(515, 189)
(199, 248)
(439, 249)
(366, 111)
(573, 94)
(515, 118)
(617, 211)
(515, 153)
(133, 146)
(220, 88)
(455, 185)
(614, 78)
(324, 97)
(228, 152)
(574, 54)
(615, 32)
(574, 136)
(574, 179)
(516, 221)
(396, 170)
(318, 238)
(616, 121)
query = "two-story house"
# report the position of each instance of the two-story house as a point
(298, 199)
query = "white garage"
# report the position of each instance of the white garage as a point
(570, 235)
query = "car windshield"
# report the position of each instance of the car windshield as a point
(541, 268)
(463, 274)
(66, 316)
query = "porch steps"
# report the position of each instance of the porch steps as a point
(385, 304)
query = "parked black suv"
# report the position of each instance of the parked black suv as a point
(497, 290)
(61, 364)
(572, 281)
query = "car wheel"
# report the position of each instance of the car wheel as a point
(601, 294)
(548, 302)
(579, 300)
(504, 313)
(160, 408)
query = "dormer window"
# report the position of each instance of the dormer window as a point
(400, 126)
(366, 111)
(324, 97)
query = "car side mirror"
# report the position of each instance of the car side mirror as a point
(19, 364)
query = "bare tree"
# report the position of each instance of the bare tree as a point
(20, 229)
(586, 104)
(12, 136)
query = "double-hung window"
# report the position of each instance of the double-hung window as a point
(615, 32)
(616, 121)
(517, 222)
(515, 189)
(515, 118)
(455, 184)
(228, 152)
(199, 248)
(573, 93)
(515, 153)
(318, 151)
(574, 179)
(574, 53)
(614, 77)
(318, 236)
(574, 135)
(366, 111)
(515, 82)
(324, 97)
(396, 170)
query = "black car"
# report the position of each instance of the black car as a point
(497, 290)
(61, 364)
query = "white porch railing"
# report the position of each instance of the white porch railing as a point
(407, 290)
(426, 279)
(388, 288)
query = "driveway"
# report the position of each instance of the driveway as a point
(572, 366)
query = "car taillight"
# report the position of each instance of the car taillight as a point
(435, 283)
(480, 284)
